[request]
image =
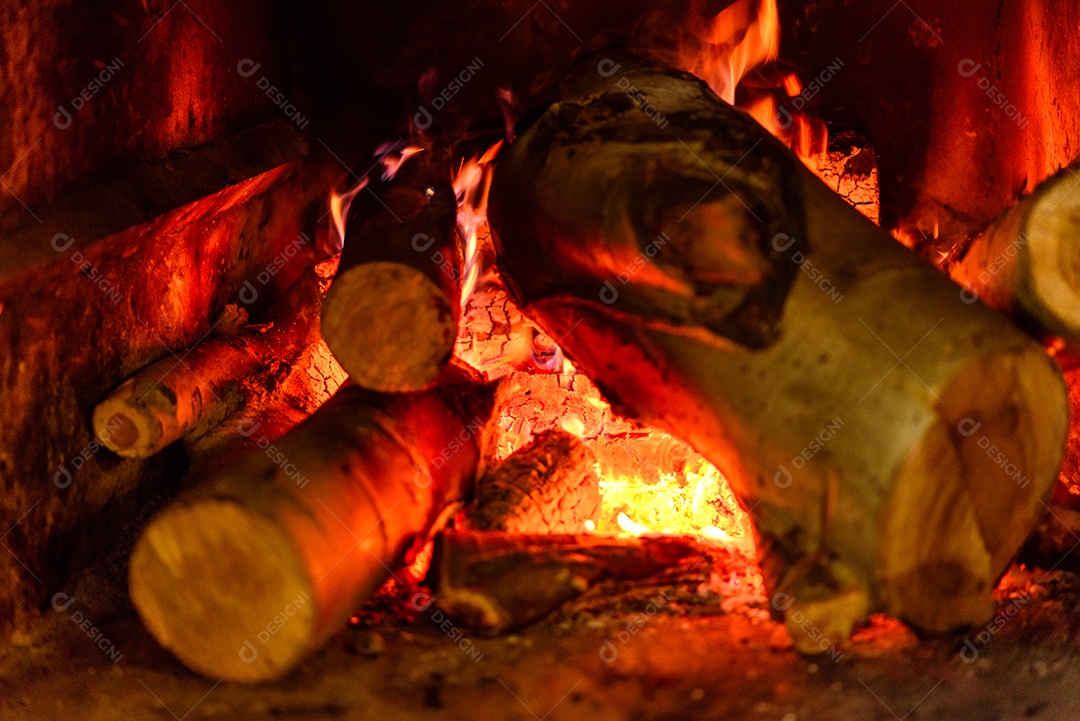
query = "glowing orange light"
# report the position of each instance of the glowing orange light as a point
(339, 211)
(742, 37)
(420, 564)
(472, 183)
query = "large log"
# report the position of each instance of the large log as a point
(893, 443)
(1027, 262)
(391, 315)
(253, 569)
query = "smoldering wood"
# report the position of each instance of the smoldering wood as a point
(494, 581)
(713, 287)
(549, 486)
(295, 539)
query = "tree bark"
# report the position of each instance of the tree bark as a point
(171, 397)
(252, 570)
(893, 443)
(391, 315)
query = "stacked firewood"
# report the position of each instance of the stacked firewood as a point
(710, 286)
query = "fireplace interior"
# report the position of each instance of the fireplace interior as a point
(651, 361)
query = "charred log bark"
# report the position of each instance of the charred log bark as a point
(1027, 263)
(494, 582)
(391, 316)
(550, 486)
(713, 287)
(305, 533)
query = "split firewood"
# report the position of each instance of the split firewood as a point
(882, 431)
(391, 316)
(1027, 262)
(549, 486)
(170, 398)
(250, 571)
(493, 582)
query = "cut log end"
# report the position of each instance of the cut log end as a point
(363, 317)
(127, 424)
(210, 577)
(947, 539)
(1051, 233)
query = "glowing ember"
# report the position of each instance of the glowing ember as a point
(650, 482)
(420, 563)
(697, 500)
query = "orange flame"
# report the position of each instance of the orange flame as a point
(742, 37)
(472, 183)
(391, 160)
(339, 211)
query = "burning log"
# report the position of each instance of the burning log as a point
(170, 398)
(495, 582)
(550, 486)
(1025, 263)
(253, 569)
(894, 443)
(391, 315)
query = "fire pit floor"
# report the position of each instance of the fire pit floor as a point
(610, 655)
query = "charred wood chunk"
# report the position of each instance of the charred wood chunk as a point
(494, 582)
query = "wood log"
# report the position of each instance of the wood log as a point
(171, 397)
(1027, 263)
(493, 582)
(876, 425)
(1058, 534)
(391, 315)
(244, 575)
(549, 486)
